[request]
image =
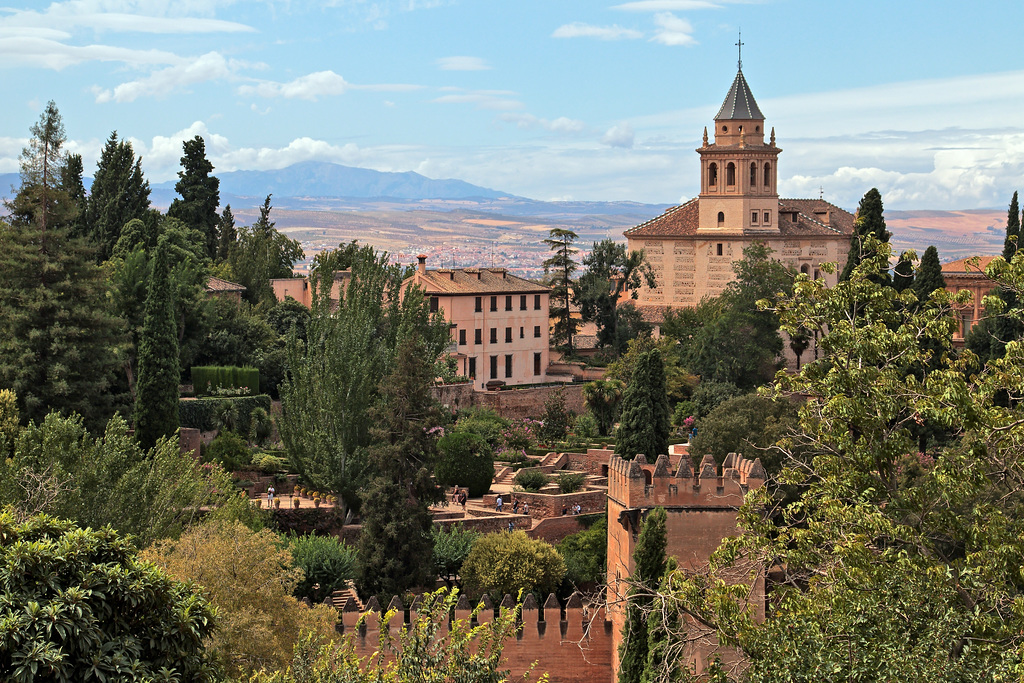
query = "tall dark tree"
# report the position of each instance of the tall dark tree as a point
(120, 193)
(649, 561)
(929, 274)
(260, 254)
(71, 181)
(1012, 229)
(610, 272)
(395, 546)
(59, 345)
(561, 266)
(227, 235)
(903, 273)
(156, 404)
(646, 418)
(200, 193)
(870, 221)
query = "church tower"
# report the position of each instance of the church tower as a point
(738, 189)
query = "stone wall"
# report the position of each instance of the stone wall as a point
(509, 403)
(543, 505)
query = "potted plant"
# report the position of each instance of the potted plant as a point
(277, 503)
(295, 503)
(316, 502)
(259, 502)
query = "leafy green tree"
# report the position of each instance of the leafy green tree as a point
(78, 604)
(506, 563)
(645, 414)
(465, 460)
(602, 398)
(749, 425)
(892, 564)
(870, 221)
(929, 275)
(288, 315)
(556, 418)
(200, 194)
(452, 545)
(561, 265)
(60, 344)
(649, 566)
(156, 404)
(228, 450)
(610, 271)
(120, 193)
(395, 549)
(262, 253)
(327, 564)
(227, 235)
(334, 378)
(586, 554)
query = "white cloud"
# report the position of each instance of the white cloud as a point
(315, 85)
(667, 5)
(146, 16)
(496, 100)
(579, 29)
(462, 64)
(209, 67)
(620, 135)
(561, 125)
(673, 30)
(51, 54)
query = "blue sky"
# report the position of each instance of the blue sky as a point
(554, 99)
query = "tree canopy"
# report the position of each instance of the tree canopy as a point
(199, 192)
(560, 266)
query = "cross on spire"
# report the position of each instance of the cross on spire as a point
(739, 51)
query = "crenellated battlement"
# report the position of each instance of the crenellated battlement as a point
(637, 483)
(573, 642)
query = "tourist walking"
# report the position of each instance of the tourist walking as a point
(497, 504)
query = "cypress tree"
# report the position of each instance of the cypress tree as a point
(156, 403)
(1012, 229)
(120, 193)
(649, 562)
(929, 275)
(71, 181)
(903, 274)
(200, 193)
(226, 234)
(395, 545)
(59, 344)
(870, 221)
(644, 425)
(562, 265)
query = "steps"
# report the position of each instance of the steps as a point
(339, 599)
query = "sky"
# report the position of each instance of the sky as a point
(548, 99)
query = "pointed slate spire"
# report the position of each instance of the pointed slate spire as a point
(739, 102)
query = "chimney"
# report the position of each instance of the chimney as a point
(421, 268)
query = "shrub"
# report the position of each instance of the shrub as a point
(585, 427)
(207, 379)
(260, 426)
(531, 480)
(465, 460)
(228, 450)
(683, 410)
(201, 413)
(269, 463)
(570, 482)
(519, 435)
(452, 546)
(484, 423)
(326, 560)
(556, 418)
(510, 455)
(504, 564)
(585, 554)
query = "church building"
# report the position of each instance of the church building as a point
(691, 247)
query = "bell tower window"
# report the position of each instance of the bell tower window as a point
(730, 174)
(713, 175)
(753, 176)
(767, 175)
(721, 219)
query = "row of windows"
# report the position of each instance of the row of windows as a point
(730, 174)
(508, 303)
(754, 215)
(508, 366)
(478, 335)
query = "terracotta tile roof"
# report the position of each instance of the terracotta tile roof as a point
(814, 217)
(652, 314)
(967, 266)
(216, 284)
(474, 281)
(584, 342)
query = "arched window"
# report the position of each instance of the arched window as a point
(730, 174)
(767, 175)
(713, 175)
(805, 269)
(753, 176)
(721, 218)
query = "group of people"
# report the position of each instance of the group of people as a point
(459, 496)
(574, 510)
(499, 506)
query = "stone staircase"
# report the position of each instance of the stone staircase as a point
(340, 599)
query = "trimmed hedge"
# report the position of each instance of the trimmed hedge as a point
(201, 413)
(208, 378)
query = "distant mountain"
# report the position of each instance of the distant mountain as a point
(320, 179)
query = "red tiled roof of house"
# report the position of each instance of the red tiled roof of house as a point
(216, 284)
(971, 265)
(475, 281)
(814, 217)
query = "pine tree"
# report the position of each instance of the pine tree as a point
(649, 567)
(261, 253)
(200, 193)
(645, 420)
(870, 221)
(71, 181)
(1012, 229)
(226, 234)
(395, 546)
(119, 194)
(929, 275)
(156, 404)
(903, 273)
(59, 345)
(561, 265)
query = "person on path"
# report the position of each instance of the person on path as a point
(526, 508)
(462, 500)
(497, 504)
(515, 507)
(270, 496)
